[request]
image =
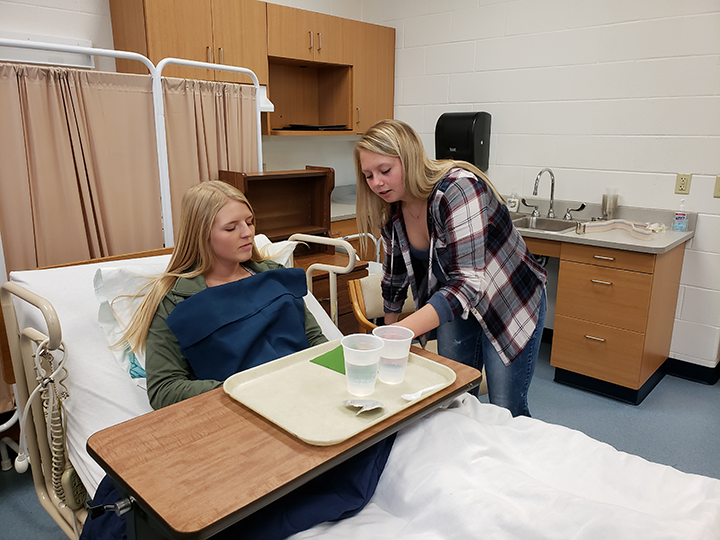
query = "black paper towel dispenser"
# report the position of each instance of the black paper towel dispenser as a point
(465, 136)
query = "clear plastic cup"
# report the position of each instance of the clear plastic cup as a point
(362, 355)
(394, 355)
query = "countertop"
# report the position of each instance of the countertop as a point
(661, 242)
(341, 211)
(615, 239)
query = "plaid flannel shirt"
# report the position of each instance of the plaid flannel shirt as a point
(487, 267)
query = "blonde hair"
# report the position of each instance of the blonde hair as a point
(397, 139)
(192, 256)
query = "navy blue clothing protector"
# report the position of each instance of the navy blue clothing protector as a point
(230, 328)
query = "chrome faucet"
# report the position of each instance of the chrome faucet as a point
(551, 212)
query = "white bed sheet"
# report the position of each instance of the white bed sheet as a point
(101, 394)
(473, 471)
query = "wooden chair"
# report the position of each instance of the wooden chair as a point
(367, 302)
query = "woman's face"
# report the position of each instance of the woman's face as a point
(384, 175)
(232, 233)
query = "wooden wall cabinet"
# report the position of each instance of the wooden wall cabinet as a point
(322, 71)
(373, 73)
(614, 318)
(327, 71)
(220, 31)
(307, 36)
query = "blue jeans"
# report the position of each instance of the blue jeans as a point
(465, 341)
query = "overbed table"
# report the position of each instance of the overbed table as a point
(203, 464)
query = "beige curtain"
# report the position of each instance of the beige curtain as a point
(78, 159)
(76, 178)
(210, 127)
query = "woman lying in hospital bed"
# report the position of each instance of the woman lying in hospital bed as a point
(469, 470)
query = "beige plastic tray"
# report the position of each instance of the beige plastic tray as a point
(306, 399)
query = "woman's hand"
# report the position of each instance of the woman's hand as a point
(391, 318)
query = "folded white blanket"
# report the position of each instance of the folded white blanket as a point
(473, 471)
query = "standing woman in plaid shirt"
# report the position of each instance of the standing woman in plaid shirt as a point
(449, 237)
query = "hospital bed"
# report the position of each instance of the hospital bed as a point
(464, 471)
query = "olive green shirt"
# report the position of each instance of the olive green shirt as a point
(169, 376)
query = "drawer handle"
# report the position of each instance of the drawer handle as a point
(594, 338)
(604, 258)
(601, 282)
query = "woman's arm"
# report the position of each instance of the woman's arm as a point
(420, 322)
(312, 329)
(169, 376)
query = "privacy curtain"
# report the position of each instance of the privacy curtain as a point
(78, 160)
(211, 126)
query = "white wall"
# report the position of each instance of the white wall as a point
(77, 19)
(608, 93)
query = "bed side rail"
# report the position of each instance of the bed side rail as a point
(20, 344)
(333, 270)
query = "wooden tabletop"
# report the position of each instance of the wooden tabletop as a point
(201, 465)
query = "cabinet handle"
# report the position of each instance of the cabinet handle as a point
(311, 40)
(210, 53)
(222, 55)
(601, 282)
(358, 115)
(319, 41)
(594, 338)
(604, 258)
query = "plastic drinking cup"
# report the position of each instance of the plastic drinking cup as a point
(394, 355)
(362, 355)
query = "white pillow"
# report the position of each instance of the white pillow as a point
(116, 288)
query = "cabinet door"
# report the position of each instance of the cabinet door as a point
(240, 38)
(179, 29)
(304, 35)
(373, 73)
(329, 42)
(290, 33)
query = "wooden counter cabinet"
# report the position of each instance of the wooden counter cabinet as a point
(614, 318)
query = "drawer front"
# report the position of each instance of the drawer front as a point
(604, 295)
(539, 246)
(598, 351)
(612, 258)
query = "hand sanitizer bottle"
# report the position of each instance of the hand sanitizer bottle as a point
(681, 218)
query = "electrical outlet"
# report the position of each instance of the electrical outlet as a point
(716, 193)
(682, 184)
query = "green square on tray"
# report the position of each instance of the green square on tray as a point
(333, 359)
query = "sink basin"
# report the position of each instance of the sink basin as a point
(544, 224)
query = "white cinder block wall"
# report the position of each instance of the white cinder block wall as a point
(608, 93)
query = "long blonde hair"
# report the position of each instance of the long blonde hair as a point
(192, 256)
(397, 139)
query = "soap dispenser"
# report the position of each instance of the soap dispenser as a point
(680, 223)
